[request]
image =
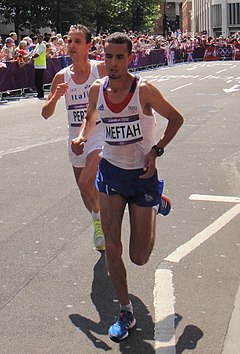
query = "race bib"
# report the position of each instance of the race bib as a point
(76, 113)
(122, 130)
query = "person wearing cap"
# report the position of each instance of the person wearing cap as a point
(40, 64)
(8, 50)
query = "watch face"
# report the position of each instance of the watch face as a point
(158, 150)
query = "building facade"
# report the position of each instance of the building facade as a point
(216, 17)
(186, 16)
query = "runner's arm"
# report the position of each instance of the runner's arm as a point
(152, 99)
(58, 89)
(89, 122)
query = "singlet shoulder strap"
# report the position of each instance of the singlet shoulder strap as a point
(67, 73)
(132, 88)
(118, 107)
(134, 84)
(94, 69)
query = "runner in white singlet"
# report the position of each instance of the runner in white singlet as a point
(125, 132)
(74, 83)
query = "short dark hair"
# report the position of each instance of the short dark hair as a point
(120, 38)
(84, 29)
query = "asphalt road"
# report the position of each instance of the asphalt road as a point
(55, 294)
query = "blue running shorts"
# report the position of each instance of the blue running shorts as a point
(114, 180)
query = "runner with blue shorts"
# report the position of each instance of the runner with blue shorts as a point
(127, 174)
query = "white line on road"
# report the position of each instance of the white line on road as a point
(164, 312)
(220, 71)
(215, 198)
(205, 234)
(163, 291)
(27, 147)
(180, 87)
(205, 77)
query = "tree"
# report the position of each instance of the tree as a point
(26, 13)
(99, 15)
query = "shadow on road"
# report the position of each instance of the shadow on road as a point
(102, 296)
(141, 338)
(188, 340)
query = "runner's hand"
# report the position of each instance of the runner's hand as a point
(149, 165)
(61, 90)
(77, 145)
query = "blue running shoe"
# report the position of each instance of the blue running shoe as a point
(119, 330)
(165, 207)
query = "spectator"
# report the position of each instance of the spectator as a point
(40, 64)
(48, 51)
(60, 48)
(8, 50)
(14, 37)
(53, 44)
(65, 40)
(22, 53)
(32, 46)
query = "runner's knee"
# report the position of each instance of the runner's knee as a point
(113, 250)
(139, 258)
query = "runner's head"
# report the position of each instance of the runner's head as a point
(118, 55)
(79, 42)
(83, 29)
(119, 38)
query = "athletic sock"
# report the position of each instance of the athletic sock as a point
(128, 307)
(95, 216)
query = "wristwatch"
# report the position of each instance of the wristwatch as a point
(158, 150)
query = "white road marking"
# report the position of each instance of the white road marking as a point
(215, 198)
(27, 147)
(234, 88)
(204, 235)
(164, 312)
(205, 77)
(164, 291)
(220, 71)
(180, 87)
(206, 94)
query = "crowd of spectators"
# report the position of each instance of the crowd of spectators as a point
(186, 43)
(23, 51)
(56, 44)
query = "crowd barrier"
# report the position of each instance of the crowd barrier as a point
(14, 77)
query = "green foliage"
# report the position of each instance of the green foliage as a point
(26, 13)
(99, 15)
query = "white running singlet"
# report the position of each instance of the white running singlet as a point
(76, 99)
(128, 135)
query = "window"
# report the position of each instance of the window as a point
(217, 15)
(234, 13)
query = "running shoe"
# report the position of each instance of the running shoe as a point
(165, 207)
(98, 236)
(119, 330)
